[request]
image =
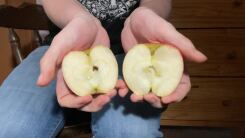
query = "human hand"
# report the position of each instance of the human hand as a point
(80, 33)
(145, 26)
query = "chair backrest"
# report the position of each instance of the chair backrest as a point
(27, 16)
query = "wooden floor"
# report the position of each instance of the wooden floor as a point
(169, 132)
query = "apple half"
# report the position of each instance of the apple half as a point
(91, 71)
(153, 68)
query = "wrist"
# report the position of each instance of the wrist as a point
(87, 17)
(159, 7)
(136, 11)
(142, 13)
(140, 9)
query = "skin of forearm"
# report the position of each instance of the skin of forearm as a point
(160, 7)
(61, 12)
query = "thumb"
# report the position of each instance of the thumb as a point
(186, 47)
(171, 36)
(48, 66)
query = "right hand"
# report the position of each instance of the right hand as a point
(80, 33)
(146, 26)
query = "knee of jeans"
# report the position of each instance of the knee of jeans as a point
(39, 52)
(41, 49)
(23, 130)
(10, 129)
(137, 132)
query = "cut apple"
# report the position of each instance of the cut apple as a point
(90, 72)
(153, 68)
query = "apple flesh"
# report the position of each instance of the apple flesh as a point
(153, 68)
(90, 72)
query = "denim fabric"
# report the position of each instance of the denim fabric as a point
(29, 111)
(26, 110)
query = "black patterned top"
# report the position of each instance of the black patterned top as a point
(110, 10)
(112, 14)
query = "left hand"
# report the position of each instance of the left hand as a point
(145, 26)
(80, 33)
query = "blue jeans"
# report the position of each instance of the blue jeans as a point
(29, 111)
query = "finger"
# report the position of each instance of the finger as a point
(122, 88)
(136, 98)
(123, 92)
(112, 93)
(180, 92)
(186, 47)
(127, 37)
(51, 60)
(66, 98)
(121, 84)
(97, 104)
(153, 100)
(171, 36)
(74, 101)
(48, 65)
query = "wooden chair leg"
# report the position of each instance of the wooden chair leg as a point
(37, 38)
(15, 46)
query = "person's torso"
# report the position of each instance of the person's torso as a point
(108, 11)
(112, 14)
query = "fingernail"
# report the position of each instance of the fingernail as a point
(39, 79)
(165, 101)
(200, 57)
(204, 57)
(106, 100)
(154, 100)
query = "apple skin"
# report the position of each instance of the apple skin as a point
(92, 71)
(156, 68)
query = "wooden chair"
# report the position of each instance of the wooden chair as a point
(32, 17)
(27, 16)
